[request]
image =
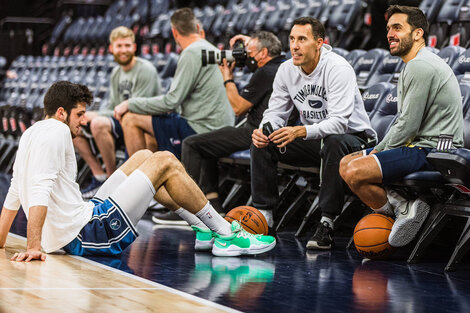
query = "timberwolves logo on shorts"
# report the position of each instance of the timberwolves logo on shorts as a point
(115, 224)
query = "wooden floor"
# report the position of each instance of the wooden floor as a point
(66, 283)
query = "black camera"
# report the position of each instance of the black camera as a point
(237, 54)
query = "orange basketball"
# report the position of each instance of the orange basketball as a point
(250, 218)
(371, 236)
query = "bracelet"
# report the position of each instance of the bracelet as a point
(228, 81)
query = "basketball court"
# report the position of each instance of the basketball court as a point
(160, 272)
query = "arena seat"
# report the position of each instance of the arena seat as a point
(170, 67)
(313, 8)
(388, 71)
(454, 166)
(462, 67)
(59, 30)
(384, 114)
(278, 17)
(431, 8)
(353, 56)
(465, 91)
(341, 23)
(375, 95)
(451, 54)
(342, 52)
(448, 15)
(367, 64)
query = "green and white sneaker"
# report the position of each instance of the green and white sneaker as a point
(241, 242)
(204, 238)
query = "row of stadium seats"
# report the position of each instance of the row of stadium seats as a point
(347, 22)
(21, 98)
(342, 18)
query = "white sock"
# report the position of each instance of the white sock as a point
(209, 216)
(387, 209)
(111, 184)
(268, 214)
(101, 178)
(190, 218)
(328, 220)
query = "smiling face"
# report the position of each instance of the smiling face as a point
(75, 119)
(400, 35)
(305, 49)
(123, 50)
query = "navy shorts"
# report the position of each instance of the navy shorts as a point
(116, 130)
(170, 130)
(399, 162)
(108, 232)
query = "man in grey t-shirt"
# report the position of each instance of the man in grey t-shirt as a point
(196, 102)
(429, 104)
(133, 77)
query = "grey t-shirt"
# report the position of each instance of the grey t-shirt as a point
(429, 104)
(197, 92)
(141, 81)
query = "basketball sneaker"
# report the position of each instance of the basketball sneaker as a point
(322, 238)
(241, 242)
(410, 216)
(204, 238)
(164, 217)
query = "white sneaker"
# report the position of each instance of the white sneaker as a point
(410, 216)
(395, 200)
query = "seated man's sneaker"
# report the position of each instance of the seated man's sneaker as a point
(410, 216)
(89, 191)
(322, 238)
(204, 238)
(163, 217)
(241, 242)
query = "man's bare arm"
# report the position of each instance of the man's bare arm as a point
(6, 219)
(37, 215)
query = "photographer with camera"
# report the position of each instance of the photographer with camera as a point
(196, 102)
(201, 152)
(322, 86)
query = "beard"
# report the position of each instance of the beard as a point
(404, 46)
(126, 62)
(67, 122)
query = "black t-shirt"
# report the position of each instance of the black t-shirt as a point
(259, 89)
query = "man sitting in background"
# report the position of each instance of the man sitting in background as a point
(196, 93)
(133, 77)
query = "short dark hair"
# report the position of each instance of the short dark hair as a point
(416, 18)
(67, 95)
(318, 30)
(269, 41)
(184, 21)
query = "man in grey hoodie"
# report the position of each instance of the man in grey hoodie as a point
(429, 105)
(322, 86)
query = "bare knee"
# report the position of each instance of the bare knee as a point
(128, 119)
(142, 155)
(99, 125)
(353, 175)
